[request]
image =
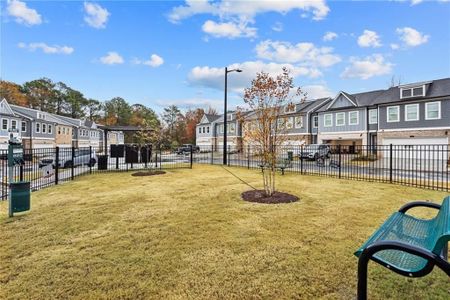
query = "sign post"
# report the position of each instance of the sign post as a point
(15, 157)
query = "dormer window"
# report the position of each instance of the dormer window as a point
(417, 91)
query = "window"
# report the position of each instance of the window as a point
(24, 126)
(50, 129)
(412, 112)
(44, 128)
(289, 123)
(328, 120)
(432, 110)
(199, 130)
(14, 124)
(417, 91)
(353, 118)
(298, 122)
(204, 130)
(340, 119)
(393, 113)
(207, 129)
(315, 121)
(373, 116)
(232, 128)
(38, 127)
(4, 124)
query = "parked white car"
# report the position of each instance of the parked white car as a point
(80, 157)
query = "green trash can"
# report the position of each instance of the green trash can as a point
(20, 196)
(290, 155)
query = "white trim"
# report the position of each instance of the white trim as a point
(417, 112)
(373, 110)
(36, 127)
(313, 122)
(342, 132)
(357, 117)
(301, 123)
(13, 120)
(331, 120)
(337, 96)
(415, 129)
(7, 124)
(336, 120)
(49, 128)
(21, 123)
(439, 111)
(42, 138)
(411, 88)
(398, 114)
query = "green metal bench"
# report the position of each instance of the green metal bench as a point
(281, 165)
(408, 245)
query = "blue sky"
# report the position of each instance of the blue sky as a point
(174, 52)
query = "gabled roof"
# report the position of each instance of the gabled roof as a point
(347, 96)
(5, 108)
(208, 118)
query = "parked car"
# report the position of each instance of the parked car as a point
(80, 157)
(186, 148)
(315, 151)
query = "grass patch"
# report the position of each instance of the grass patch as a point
(188, 235)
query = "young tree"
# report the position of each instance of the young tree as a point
(267, 98)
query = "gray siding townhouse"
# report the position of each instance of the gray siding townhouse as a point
(414, 114)
(10, 121)
(39, 131)
(205, 130)
(234, 132)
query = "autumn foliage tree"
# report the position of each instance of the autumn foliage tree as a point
(266, 99)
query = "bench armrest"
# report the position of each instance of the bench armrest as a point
(432, 258)
(410, 205)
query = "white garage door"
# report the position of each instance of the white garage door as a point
(417, 150)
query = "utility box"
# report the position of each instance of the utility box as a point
(102, 162)
(20, 196)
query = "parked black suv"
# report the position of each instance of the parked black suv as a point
(186, 148)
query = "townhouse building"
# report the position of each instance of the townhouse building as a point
(409, 114)
(39, 129)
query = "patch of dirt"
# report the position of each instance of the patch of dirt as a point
(260, 197)
(148, 173)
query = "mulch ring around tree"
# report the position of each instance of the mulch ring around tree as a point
(260, 197)
(148, 173)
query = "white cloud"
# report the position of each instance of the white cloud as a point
(213, 77)
(304, 53)
(278, 27)
(316, 91)
(369, 39)
(395, 46)
(365, 68)
(411, 37)
(55, 49)
(246, 10)
(414, 2)
(22, 13)
(96, 16)
(329, 36)
(228, 29)
(154, 61)
(112, 58)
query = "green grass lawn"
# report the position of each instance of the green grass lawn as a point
(188, 235)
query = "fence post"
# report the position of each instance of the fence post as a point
(228, 154)
(156, 157)
(73, 162)
(212, 154)
(390, 163)
(57, 165)
(160, 157)
(191, 155)
(301, 159)
(90, 157)
(248, 156)
(340, 159)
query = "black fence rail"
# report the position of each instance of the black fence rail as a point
(424, 166)
(47, 167)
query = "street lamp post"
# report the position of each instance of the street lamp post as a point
(225, 114)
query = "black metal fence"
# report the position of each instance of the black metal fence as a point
(425, 166)
(46, 167)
